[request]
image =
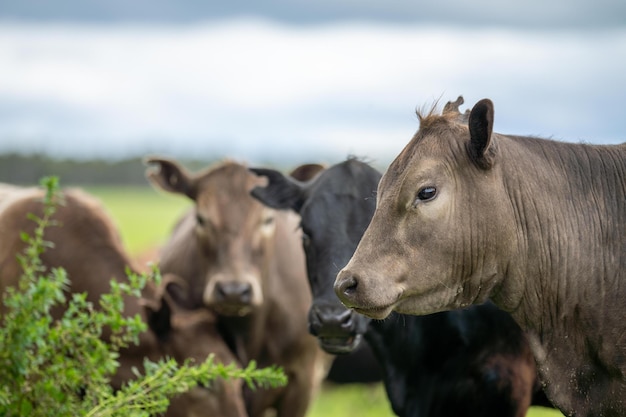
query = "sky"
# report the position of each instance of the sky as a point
(293, 81)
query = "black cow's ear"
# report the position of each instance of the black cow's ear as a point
(281, 192)
(170, 176)
(480, 147)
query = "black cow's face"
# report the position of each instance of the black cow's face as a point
(334, 214)
(328, 221)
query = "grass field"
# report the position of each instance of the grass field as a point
(146, 217)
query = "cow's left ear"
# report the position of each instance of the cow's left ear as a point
(480, 148)
(281, 192)
(170, 176)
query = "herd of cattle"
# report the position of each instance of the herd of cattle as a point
(486, 272)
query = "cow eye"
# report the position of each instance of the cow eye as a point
(426, 194)
(267, 225)
(306, 236)
(306, 240)
(200, 220)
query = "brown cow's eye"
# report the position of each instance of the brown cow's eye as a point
(200, 220)
(426, 194)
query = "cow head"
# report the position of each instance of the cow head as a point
(437, 240)
(335, 208)
(232, 231)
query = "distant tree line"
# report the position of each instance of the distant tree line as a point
(29, 169)
(20, 169)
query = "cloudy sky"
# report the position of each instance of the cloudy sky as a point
(299, 81)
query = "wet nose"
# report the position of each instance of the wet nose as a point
(326, 321)
(234, 292)
(346, 287)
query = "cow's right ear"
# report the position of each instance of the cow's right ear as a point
(281, 192)
(159, 317)
(177, 289)
(170, 176)
(172, 293)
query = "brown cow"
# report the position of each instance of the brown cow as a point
(88, 247)
(245, 262)
(539, 226)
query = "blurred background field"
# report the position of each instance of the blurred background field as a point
(146, 216)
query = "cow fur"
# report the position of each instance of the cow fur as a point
(464, 213)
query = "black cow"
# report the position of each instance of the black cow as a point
(471, 362)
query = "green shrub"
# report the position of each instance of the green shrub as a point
(62, 367)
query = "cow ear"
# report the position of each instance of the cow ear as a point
(170, 176)
(306, 172)
(159, 317)
(177, 289)
(481, 148)
(281, 192)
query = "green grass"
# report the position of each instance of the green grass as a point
(371, 401)
(543, 412)
(351, 400)
(146, 218)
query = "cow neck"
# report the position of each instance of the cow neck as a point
(572, 189)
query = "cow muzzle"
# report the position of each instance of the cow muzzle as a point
(232, 298)
(372, 302)
(338, 329)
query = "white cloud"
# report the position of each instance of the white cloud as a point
(240, 86)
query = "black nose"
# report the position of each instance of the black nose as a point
(346, 287)
(331, 321)
(234, 292)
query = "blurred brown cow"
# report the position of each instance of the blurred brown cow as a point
(87, 245)
(245, 262)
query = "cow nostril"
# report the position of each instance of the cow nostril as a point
(331, 321)
(246, 293)
(234, 292)
(349, 286)
(346, 287)
(345, 318)
(220, 291)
